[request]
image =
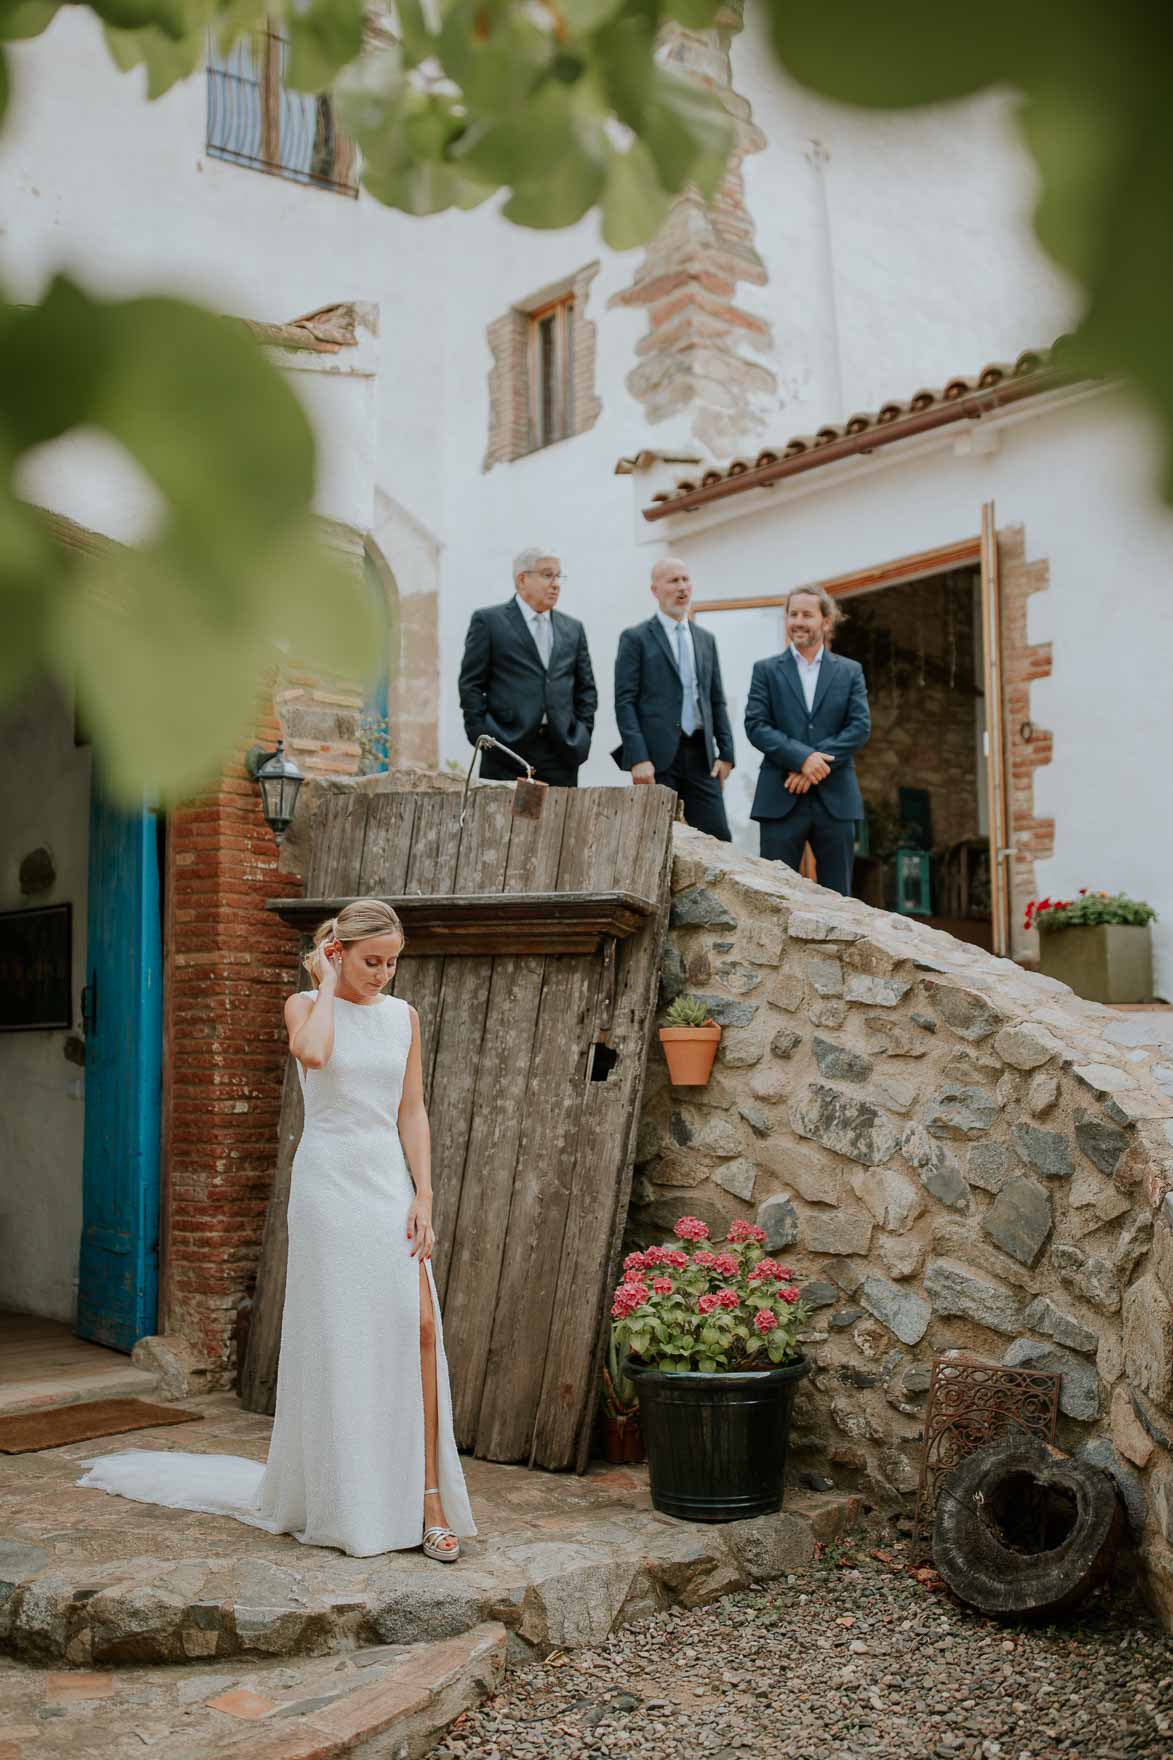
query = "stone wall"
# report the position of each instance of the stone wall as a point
(955, 1153)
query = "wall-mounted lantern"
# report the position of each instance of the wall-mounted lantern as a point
(279, 781)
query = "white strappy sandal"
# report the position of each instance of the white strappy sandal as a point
(435, 1535)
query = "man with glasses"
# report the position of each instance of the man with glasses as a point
(526, 678)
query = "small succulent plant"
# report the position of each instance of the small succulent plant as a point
(687, 1011)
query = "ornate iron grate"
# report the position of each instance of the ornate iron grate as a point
(255, 120)
(972, 1402)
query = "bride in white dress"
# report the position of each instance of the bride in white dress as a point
(362, 1455)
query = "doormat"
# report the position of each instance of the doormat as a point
(101, 1417)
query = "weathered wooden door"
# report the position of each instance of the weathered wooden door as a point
(534, 969)
(1000, 850)
(119, 1258)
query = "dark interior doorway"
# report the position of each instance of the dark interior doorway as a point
(924, 846)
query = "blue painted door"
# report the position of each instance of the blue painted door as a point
(118, 1277)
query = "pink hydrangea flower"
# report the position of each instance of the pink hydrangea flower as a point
(691, 1228)
(653, 1257)
(789, 1295)
(704, 1259)
(673, 1257)
(662, 1286)
(706, 1304)
(745, 1231)
(783, 1273)
(728, 1298)
(765, 1320)
(726, 1265)
(635, 1262)
(628, 1297)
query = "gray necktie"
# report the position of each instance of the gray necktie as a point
(544, 635)
(688, 721)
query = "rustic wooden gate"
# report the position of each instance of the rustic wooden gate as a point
(533, 951)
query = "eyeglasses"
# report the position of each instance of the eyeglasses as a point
(544, 574)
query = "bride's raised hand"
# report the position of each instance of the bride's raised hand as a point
(419, 1229)
(329, 965)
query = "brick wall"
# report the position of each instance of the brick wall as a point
(692, 357)
(229, 966)
(1027, 746)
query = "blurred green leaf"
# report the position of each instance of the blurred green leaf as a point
(199, 614)
(695, 15)
(635, 204)
(566, 189)
(26, 18)
(588, 15)
(919, 52)
(324, 36)
(688, 133)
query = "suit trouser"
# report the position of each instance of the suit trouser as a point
(551, 761)
(832, 841)
(699, 792)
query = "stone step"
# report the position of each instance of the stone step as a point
(393, 1700)
(64, 1388)
(569, 1583)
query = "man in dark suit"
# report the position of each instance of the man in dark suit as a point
(670, 705)
(807, 712)
(526, 678)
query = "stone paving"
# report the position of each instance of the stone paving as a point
(559, 1561)
(385, 1701)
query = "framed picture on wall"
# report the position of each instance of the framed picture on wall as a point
(36, 969)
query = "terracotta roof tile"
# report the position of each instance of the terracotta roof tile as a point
(1047, 365)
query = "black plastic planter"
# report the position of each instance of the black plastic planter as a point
(716, 1444)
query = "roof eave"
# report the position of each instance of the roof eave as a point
(972, 407)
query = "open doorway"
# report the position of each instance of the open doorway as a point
(927, 630)
(924, 848)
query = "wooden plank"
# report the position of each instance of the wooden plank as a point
(431, 869)
(556, 1095)
(590, 841)
(460, 1018)
(600, 1185)
(387, 847)
(502, 1102)
(489, 923)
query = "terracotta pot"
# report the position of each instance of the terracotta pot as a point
(1105, 962)
(690, 1052)
(622, 1441)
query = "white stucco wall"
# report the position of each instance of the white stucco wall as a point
(1078, 473)
(44, 803)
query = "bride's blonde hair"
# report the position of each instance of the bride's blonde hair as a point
(356, 921)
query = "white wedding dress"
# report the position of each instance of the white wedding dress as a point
(346, 1459)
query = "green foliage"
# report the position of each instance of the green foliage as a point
(167, 644)
(687, 1011)
(1087, 910)
(1094, 110)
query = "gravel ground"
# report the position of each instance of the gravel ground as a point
(855, 1657)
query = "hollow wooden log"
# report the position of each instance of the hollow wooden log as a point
(1023, 1530)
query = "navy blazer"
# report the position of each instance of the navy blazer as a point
(505, 690)
(648, 697)
(779, 724)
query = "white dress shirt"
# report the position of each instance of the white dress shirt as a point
(808, 673)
